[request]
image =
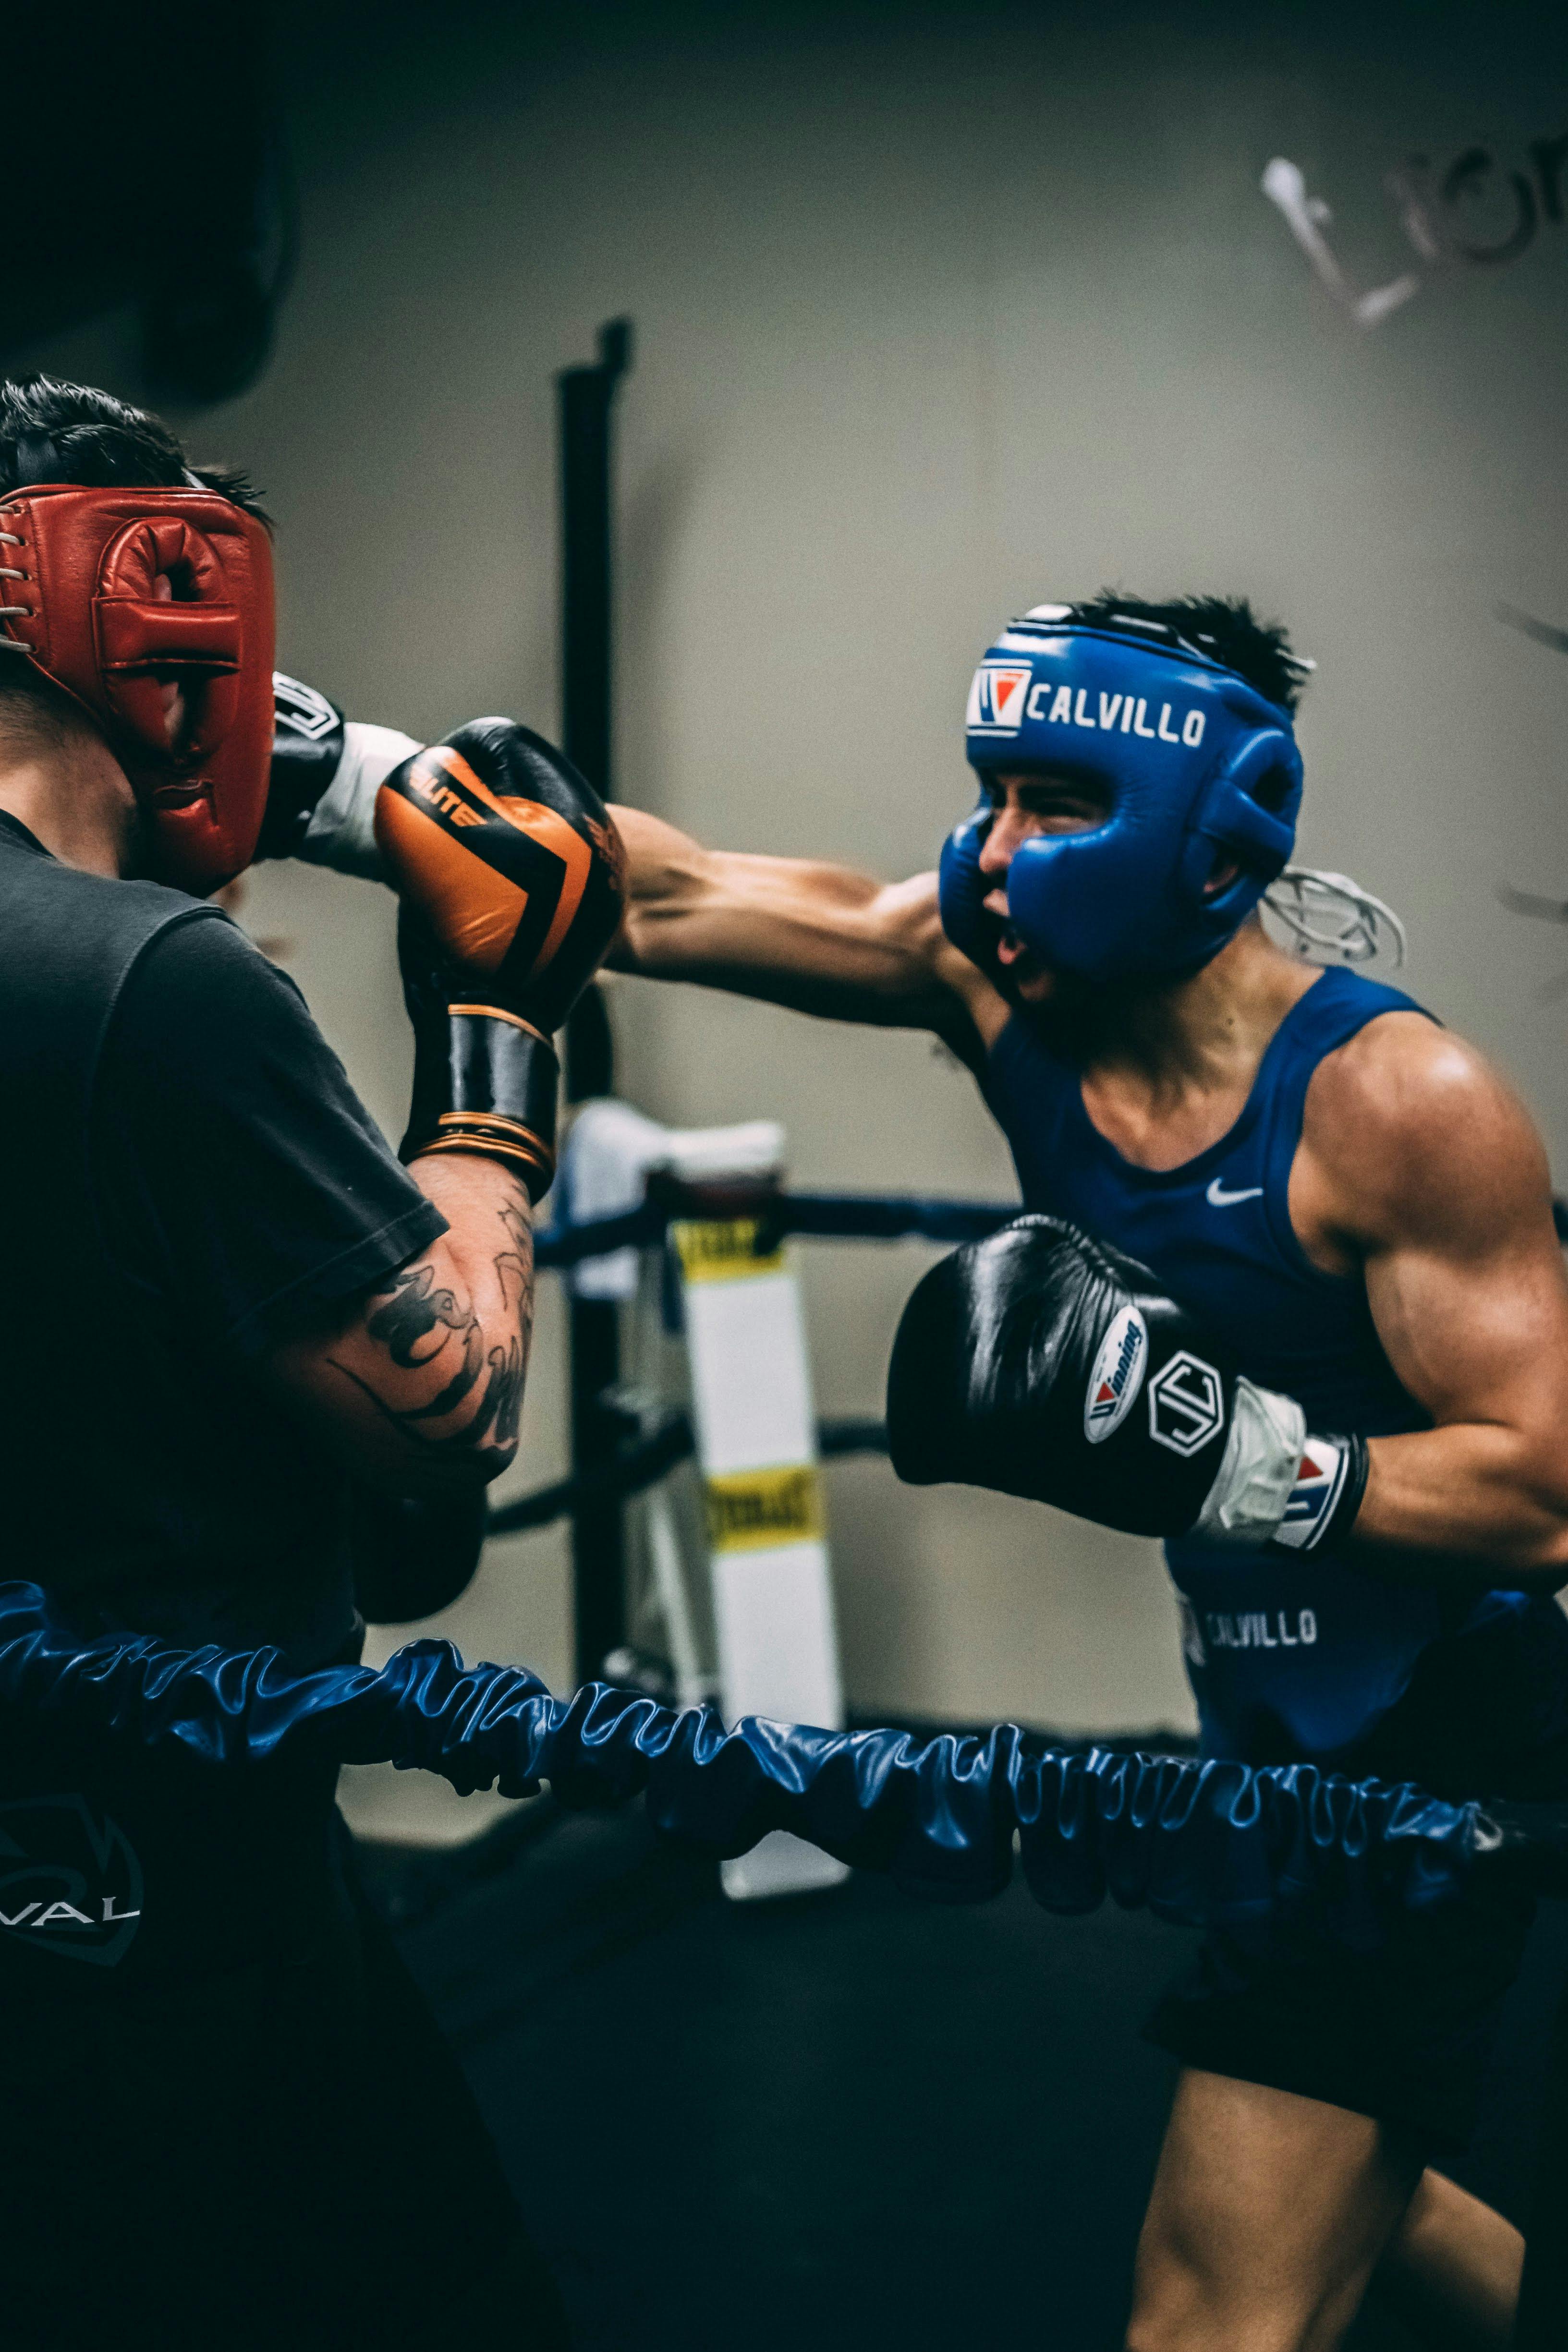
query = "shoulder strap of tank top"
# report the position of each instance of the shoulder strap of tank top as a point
(1334, 1009)
(1339, 1005)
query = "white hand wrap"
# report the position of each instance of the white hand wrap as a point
(342, 831)
(1262, 1457)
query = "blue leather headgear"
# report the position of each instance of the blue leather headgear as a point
(1199, 772)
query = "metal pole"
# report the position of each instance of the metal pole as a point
(587, 399)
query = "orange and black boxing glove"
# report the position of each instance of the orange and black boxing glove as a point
(512, 880)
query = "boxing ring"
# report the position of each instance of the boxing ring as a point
(1286, 1856)
(1182, 1839)
(1284, 1850)
(939, 411)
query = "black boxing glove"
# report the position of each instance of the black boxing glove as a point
(1046, 1364)
(512, 882)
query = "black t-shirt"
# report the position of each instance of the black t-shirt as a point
(188, 1993)
(242, 1186)
(188, 1176)
(236, 1170)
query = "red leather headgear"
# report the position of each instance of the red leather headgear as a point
(83, 607)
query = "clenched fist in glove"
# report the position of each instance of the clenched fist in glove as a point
(1045, 1363)
(512, 877)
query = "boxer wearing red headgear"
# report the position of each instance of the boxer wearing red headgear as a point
(243, 1319)
(117, 594)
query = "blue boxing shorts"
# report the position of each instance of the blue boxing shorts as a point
(1403, 2035)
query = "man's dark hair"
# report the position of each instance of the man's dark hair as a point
(52, 431)
(1226, 628)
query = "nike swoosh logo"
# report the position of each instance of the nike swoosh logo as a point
(1218, 1198)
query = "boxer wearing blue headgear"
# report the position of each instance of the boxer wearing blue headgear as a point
(1291, 1298)
(1199, 776)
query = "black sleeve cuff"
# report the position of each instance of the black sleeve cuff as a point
(352, 1271)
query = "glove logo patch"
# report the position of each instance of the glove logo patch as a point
(1116, 1376)
(1312, 1497)
(1186, 1404)
(498, 877)
(300, 708)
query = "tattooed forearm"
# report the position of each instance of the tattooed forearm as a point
(414, 1310)
(445, 1375)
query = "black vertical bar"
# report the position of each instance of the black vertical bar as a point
(588, 398)
(1543, 2323)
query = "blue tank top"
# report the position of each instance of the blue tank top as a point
(1287, 1654)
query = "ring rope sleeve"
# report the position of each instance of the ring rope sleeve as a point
(1197, 1843)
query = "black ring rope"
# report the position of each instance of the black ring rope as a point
(650, 1456)
(829, 1216)
(653, 1453)
(826, 1216)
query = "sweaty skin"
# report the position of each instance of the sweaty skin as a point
(1417, 1167)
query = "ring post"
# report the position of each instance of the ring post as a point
(755, 1426)
(586, 403)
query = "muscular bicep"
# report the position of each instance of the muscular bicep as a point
(1429, 1176)
(818, 937)
(417, 1384)
(1464, 1275)
(1476, 1332)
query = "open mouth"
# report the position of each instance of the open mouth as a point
(1027, 977)
(1012, 953)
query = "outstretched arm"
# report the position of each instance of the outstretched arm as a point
(821, 939)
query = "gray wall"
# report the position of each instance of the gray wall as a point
(939, 314)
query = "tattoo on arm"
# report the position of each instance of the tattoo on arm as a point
(418, 1324)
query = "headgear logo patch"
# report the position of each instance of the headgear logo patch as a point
(1186, 1404)
(1117, 1376)
(996, 697)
